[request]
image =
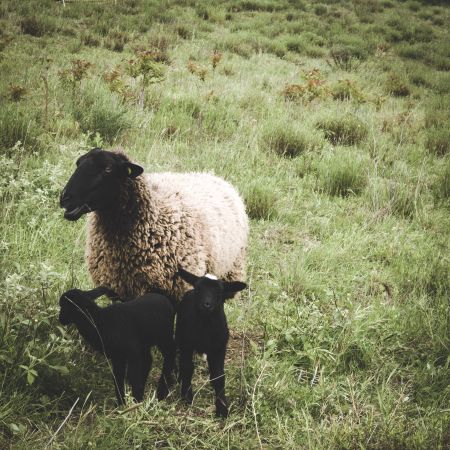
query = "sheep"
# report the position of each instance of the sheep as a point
(141, 227)
(202, 327)
(124, 332)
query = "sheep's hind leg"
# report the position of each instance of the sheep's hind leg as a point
(186, 371)
(217, 377)
(166, 380)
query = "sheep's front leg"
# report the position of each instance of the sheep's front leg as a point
(217, 377)
(166, 379)
(135, 376)
(186, 371)
(118, 365)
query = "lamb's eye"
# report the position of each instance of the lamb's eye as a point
(108, 169)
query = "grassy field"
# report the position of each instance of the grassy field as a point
(332, 119)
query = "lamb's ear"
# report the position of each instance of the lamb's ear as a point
(187, 276)
(231, 287)
(133, 170)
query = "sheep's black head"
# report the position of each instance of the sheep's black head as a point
(210, 293)
(96, 183)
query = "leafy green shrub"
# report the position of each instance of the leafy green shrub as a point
(260, 201)
(320, 10)
(344, 130)
(343, 173)
(99, 111)
(287, 140)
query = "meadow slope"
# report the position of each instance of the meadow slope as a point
(332, 119)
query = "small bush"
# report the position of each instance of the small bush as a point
(261, 202)
(347, 57)
(17, 124)
(37, 26)
(342, 173)
(116, 41)
(346, 130)
(397, 85)
(90, 40)
(347, 90)
(441, 187)
(438, 141)
(99, 111)
(320, 10)
(286, 140)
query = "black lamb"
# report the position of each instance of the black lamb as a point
(202, 327)
(124, 332)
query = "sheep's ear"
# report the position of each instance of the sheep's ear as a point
(133, 170)
(231, 287)
(187, 276)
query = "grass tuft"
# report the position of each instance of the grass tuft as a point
(343, 172)
(288, 140)
(344, 130)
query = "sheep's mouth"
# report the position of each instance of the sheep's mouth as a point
(76, 213)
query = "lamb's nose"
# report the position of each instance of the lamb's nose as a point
(207, 305)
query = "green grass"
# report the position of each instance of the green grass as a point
(331, 119)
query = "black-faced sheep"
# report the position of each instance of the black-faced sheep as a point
(124, 332)
(202, 327)
(142, 227)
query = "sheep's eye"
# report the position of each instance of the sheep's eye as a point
(108, 169)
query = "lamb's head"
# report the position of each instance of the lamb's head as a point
(209, 292)
(73, 305)
(96, 183)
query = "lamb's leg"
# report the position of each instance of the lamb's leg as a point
(217, 377)
(186, 371)
(146, 364)
(118, 365)
(166, 380)
(135, 376)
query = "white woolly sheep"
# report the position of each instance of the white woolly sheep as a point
(142, 227)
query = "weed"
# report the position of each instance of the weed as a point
(343, 130)
(346, 57)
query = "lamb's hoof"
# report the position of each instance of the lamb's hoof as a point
(188, 397)
(162, 391)
(221, 409)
